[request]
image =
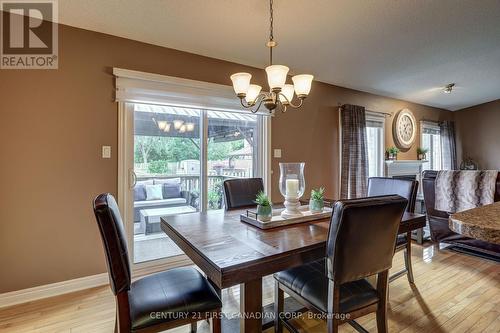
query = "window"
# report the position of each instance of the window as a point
(431, 140)
(375, 144)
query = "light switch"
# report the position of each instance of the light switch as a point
(106, 151)
(277, 153)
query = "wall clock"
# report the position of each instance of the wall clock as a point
(404, 129)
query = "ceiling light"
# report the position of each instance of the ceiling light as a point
(162, 124)
(182, 129)
(178, 124)
(280, 94)
(167, 128)
(448, 88)
(189, 127)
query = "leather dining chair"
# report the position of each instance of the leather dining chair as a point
(156, 302)
(336, 287)
(407, 189)
(240, 193)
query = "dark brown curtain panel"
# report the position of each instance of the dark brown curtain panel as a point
(448, 145)
(354, 166)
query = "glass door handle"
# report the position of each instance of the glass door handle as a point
(133, 178)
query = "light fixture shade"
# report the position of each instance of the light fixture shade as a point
(288, 92)
(189, 127)
(241, 82)
(178, 124)
(276, 76)
(182, 129)
(252, 93)
(162, 124)
(167, 127)
(302, 84)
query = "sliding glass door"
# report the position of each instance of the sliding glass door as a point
(180, 158)
(167, 174)
(233, 143)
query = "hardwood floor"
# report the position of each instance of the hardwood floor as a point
(452, 293)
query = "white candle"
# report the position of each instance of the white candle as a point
(292, 188)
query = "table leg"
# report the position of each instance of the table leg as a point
(251, 306)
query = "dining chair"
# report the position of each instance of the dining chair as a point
(156, 302)
(335, 288)
(407, 189)
(240, 193)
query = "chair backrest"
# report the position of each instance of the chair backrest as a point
(362, 236)
(114, 241)
(387, 186)
(241, 193)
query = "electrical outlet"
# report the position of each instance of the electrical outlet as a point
(277, 153)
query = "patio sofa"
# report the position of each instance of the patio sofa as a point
(172, 195)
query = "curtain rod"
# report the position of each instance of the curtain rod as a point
(387, 114)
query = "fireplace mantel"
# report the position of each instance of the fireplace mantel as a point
(403, 168)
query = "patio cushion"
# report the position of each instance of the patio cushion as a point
(139, 192)
(154, 192)
(171, 187)
(162, 202)
(171, 191)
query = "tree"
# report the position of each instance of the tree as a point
(144, 145)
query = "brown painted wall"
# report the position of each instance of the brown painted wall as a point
(478, 132)
(54, 122)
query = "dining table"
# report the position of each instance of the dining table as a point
(231, 252)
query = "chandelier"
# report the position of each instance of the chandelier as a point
(280, 93)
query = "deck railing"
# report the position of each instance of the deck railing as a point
(192, 182)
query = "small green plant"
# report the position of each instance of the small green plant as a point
(262, 199)
(318, 194)
(392, 150)
(422, 151)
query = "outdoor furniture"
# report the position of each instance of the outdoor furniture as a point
(172, 195)
(150, 218)
(231, 253)
(183, 293)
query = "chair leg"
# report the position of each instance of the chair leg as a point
(216, 322)
(383, 289)
(279, 299)
(194, 327)
(332, 324)
(407, 256)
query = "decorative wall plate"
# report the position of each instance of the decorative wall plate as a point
(404, 129)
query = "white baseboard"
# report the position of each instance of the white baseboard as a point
(53, 289)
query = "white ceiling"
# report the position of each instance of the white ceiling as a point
(406, 49)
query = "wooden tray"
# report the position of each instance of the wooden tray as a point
(278, 221)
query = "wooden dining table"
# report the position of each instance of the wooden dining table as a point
(231, 252)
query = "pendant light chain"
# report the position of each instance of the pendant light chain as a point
(271, 34)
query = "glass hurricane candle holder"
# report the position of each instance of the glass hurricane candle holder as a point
(292, 186)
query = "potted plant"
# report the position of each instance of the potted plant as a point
(317, 201)
(422, 153)
(392, 153)
(264, 207)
